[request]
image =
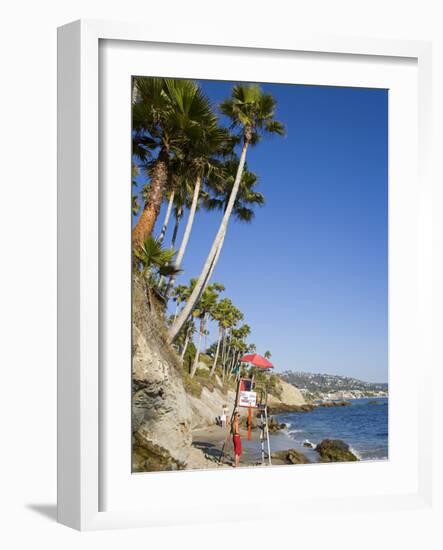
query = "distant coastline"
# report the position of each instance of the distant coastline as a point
(316, 387)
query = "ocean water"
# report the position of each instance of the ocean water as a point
(363, 425)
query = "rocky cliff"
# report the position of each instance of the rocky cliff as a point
(209, 405)
(161, 413)
(289, 396)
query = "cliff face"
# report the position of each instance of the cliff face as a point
(290, 396)
(161, 413)
(209, 405)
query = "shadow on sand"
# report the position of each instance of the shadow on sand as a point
(214, 452)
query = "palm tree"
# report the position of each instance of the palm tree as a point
(238, 344)
(226, 315)
(202, 163)
(247, 197)
(189, 330)
(167, 215)
(252, 112)
(183, 190)
(167, 112)
(203, 312)
(153, 261)
(267, 355)
(177, 192)
(180, 294)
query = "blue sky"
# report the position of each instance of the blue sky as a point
(310, 271)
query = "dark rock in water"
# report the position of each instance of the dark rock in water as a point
(335, 450)
(333, 404)
(284, 408)
(291, 456)
(274, 425)
(254, 423)
(308, 444)
(374, 402)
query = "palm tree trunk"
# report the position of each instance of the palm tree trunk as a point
(234, 362)
(223, 347)
(151, 210)
(197, 351)
(178, 217)
(191, 303)
(189, 223)
(211, 271)
(176, 312)
(185, 346)
(186, 234)
(226, 359)
(167, 216)
(214, 364)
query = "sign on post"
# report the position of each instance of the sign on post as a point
(247, 399)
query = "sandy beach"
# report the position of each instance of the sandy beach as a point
(211, 441)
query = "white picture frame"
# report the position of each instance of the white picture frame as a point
(80, 405)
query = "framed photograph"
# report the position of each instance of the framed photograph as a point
(243, 276)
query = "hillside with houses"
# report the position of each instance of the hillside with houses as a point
(329, 387)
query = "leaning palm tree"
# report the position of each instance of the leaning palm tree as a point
(247, 197)
(167, 112)
(176, 191)
(252, 112)
(202, 163)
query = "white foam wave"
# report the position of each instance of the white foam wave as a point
(356, 453)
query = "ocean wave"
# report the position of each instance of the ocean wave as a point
(356, 453)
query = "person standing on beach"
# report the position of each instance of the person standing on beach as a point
(224, 416)
(223, 419)
(236, 438)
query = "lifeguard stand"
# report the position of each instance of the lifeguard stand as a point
(262, 411)
(254, 396)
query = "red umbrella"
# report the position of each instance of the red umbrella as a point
(257, 360)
